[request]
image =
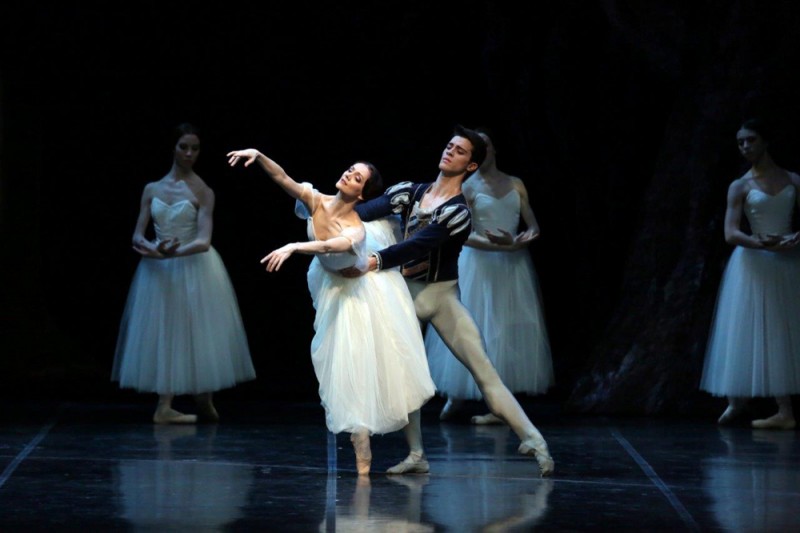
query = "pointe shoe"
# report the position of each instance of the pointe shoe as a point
(729, 415)
(538, 448)
(777, 421)
(450, 408)
(413, 464)
(488, 419)
(171, 416)
(363, 452)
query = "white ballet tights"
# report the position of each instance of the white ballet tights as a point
(438, 304)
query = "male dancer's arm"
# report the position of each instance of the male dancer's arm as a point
(452, 223)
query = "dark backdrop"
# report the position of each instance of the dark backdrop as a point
(619, 116)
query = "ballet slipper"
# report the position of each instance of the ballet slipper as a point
(450, 408)
(538, 448)
(729, 415)
(415, 463)
(778, 421)
(171, 416)
(488, 419)
(361, 446)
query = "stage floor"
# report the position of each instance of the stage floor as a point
(274, 467)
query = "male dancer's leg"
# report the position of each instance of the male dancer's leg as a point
(439, 303)
(416, 462)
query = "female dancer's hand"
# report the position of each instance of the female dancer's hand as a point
(511, 242)
(524, 238)
(168, 247)
(249, 155)
(789, 241)
(276, 258)
(503, 238)
(162, 250)
(779, 242)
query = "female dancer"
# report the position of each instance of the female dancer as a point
(754, 346)
(181, 330)
(498, 285)
(367, 351)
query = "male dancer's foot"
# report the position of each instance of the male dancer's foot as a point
(537, 447)
(415, 463)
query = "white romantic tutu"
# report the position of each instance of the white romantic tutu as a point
(368, 353)
(181, 330)
(754, 345)
(501, 291)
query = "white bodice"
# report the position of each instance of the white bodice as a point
(770, 214)
(338, 260)
(490, 213)
(357, 256)
(174, 221)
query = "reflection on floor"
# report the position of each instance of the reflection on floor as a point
(273, 467)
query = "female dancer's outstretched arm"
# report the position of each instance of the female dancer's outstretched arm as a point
(294, 189)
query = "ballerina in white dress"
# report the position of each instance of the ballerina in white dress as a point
(181, 330)
(754, 345)
(500, 288)
(367, 351)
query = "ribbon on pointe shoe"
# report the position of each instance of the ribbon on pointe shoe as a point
(361, 446)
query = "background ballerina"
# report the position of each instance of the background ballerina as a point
(181, 330)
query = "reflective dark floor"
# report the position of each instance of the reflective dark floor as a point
(273, 467)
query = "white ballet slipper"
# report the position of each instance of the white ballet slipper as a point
(538, 449)
(171, 416)
(777, 421)
(413, 464)
(488, 419)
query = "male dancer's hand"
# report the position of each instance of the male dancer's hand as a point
(354, 272)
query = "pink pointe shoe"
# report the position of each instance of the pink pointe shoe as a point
(363, 452)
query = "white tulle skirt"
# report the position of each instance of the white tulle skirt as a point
(501, 291)
(754, 345)
(181, 330)
(367, 351)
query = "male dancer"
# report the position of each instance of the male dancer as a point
(435, 223)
